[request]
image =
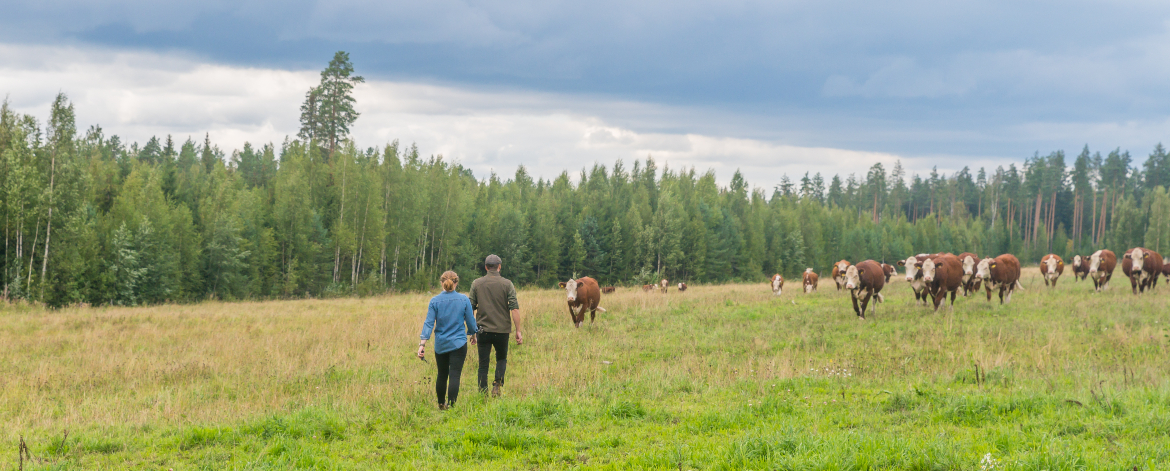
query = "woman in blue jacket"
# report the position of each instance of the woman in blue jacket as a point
(450, 319)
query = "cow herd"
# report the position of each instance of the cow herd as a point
(932, 278)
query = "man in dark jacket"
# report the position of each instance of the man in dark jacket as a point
(494, 299)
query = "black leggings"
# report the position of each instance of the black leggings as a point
(450, 365)
(487, 340)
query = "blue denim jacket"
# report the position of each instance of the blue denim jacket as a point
(448, 314)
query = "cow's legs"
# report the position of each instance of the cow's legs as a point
(592, 315)
(954, 294)
(864, 303)
(988, 288)
(856, 309)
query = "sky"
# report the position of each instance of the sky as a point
(772, 88)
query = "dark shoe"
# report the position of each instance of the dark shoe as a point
(496, 389)
(443, 407)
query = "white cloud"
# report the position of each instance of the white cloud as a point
(138, 95)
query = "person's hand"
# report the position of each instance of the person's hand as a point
(519, 338)
(472, 338)
(422, 349)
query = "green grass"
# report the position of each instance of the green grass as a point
(715, 378)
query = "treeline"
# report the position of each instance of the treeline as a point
(90, 219)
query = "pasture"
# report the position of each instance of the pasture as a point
(718, 377)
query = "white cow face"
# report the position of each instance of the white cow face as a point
(776, 282)
(664, 283)
(912, 267)
(842, 266)
(1051, 263)
(852, 277)
(983, 270)
(969, 263)
(1095, 270)
(1095, 262)
(571, 289)
(928, 269)
(1077, 261)
(1139, 258)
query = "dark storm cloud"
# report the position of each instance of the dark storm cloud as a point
(976, 77)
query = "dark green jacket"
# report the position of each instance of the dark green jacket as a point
(493, 297)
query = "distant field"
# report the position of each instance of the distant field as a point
(717, 377)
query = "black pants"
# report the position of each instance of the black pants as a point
(450, 366)
(487, 340)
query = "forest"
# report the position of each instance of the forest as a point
(90, 219)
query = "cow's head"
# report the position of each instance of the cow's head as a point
(928, 270)
(1052, 263)
(889, 269)
(842, 266)
(777, 282)
(969, 263)
(983, 269)
(663, 283)
(912, 267)
(570, 289)
(1077, 261)
(808, 270)
(1139, 257)
(853, 277)
(1095, 262)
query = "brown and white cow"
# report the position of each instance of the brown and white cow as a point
(647, 288)
(1166, 270)
(1051, 267)
(1146, 266)
(1101, 266)
(867, 279)
(777, 283)
(1001, 272)
(607, 289)
(682, 286)
(913, 266)
(943, 274)
(662, 285)
(1080, 266)
(970, 282)
(810, 280)
(838, 273)
(583, 294)
(889, 271)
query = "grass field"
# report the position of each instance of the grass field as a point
(717, 377)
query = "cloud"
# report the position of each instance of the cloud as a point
(141, 94)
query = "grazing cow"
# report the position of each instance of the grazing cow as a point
(662, 285)
(889, 270)
(1166, 270)
(943, 274)
(868, 279)
(1051, 267)
(1080, 267)
(1002, 272)
(1101, 266)
(583, 294)
(1142, 266)
(608, 289)
(914, 276)
(838, 273)
(647, 288)
(682, 286)
(777, 284)
(970, 282)
(810, 280)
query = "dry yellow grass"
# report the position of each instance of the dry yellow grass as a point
(175, 366)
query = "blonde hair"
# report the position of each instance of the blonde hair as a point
(449, 280)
